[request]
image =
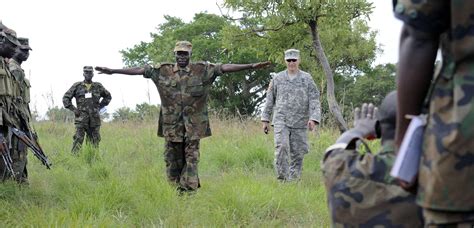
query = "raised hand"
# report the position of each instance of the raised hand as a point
(365, 119)
(103, 70)
(261, 65)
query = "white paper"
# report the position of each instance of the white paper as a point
(408, 158)
(103, 110)
(88, 95)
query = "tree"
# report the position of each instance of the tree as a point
(124, 114)
(57, 114)
(342, 21)
(240, 92)
(143, 111)
(147, 111)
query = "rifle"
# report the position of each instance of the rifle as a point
(7, 159)
(33, 145)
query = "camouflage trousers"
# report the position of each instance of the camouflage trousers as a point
(447, 219)
(290, 147)
(18, 153)
(182, 160)
(93, 136)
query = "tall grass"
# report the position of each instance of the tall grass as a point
(123, 183)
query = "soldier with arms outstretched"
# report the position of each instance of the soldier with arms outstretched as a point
(183, 87)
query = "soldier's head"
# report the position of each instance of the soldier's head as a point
(8, 41)
(23, 51)
(88, 73)
(292, 59)
(387, 117)
(182, 52)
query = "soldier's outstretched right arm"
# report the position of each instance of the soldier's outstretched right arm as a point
(127, 71)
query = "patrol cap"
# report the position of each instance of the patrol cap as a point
(88, 69)
(24, 43)
(292, 54)
(10, 34)
(183, 46)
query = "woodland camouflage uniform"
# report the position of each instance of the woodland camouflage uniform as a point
(10, 105)
(360, 190)
(446, 173)
(183, 119)
(20, 159)
(89, 103)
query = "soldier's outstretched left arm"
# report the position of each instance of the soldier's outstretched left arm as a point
(227, 68)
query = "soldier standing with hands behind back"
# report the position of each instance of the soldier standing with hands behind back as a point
(183, 87)
(88, 96)
(293, 98)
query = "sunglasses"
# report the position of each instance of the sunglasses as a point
(291, 60)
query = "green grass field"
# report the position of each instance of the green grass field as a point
(123, 184)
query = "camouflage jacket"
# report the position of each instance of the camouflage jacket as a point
(183, 98)
(361, 192)
(24, 88)
(293, 101)
(9, 94)
(88, 102)
(446, 173)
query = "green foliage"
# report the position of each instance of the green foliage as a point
(143, 111)
(57, 114)
(235, 93)
(372, 86)
(263, 31)
(348, 42)
(123, 183)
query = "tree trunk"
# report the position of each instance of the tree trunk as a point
(333, 106)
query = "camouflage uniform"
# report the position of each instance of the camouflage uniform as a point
(9, 107)
(20, 156)
(183, 119)
(446, 175)
(89, 104)
(293, 101)
(361, 192)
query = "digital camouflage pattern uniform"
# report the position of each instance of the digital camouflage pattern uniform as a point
(89, 103)
(293, 101)
(361, 192)
(9, 107)
(183, 119)
(446, 175)
(20, 158)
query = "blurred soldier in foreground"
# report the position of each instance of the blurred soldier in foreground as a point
(23, 100)
(88, 96)
(183, 88)
(9, 92)
(361, 192)
(445, 187)
(293, 98)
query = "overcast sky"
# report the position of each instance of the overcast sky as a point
(66, 35)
